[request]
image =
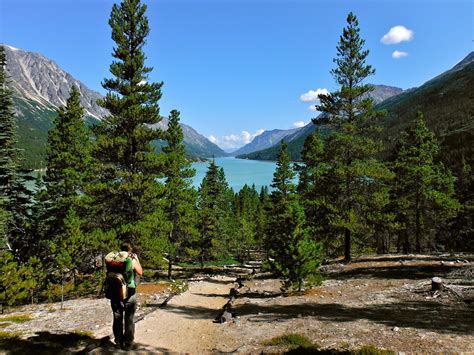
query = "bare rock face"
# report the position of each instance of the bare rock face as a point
(35, 77)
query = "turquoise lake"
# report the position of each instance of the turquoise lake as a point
(239, 172)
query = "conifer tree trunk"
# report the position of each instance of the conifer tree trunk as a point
(417, 223)
(347, 245)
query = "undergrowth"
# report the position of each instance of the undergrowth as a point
(17, 318)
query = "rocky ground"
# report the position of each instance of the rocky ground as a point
(386, 302)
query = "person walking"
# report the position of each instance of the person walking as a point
(124, 311)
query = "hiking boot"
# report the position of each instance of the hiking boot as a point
(118, 344)
(128, 347)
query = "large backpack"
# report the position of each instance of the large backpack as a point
(116, 279)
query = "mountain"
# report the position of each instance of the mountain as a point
(196, 144)
(265, 140)
(296, 137)
(40, 87)
(447, 103)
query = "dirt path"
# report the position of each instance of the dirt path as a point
(186, 323)
(385, 303)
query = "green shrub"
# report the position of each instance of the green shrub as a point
(16, 281)
(53, 291)
(291, 341)
(84, 333)
(177, 287)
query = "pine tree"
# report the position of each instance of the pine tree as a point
(353, 173)
(8, 152)
(262, 217)
(247, 209)
(68, 171)
(15, 198)
(180, 196)
(68, 152)
(126, 191)
(282, 195)
(295, 254)
(315, 197)
(424, 189)
(215, 214)
(462, 232)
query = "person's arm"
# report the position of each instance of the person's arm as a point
(136, 265)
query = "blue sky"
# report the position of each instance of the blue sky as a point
(236, 67)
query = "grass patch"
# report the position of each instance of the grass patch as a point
(84, 333)
(5, 335)
(4, 325)
(17, 318)
(291, 341)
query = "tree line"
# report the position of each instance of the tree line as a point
(107, 184)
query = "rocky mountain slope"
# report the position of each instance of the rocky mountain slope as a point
(40, 87)
(265, 140)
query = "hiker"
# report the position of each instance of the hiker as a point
(127, 307)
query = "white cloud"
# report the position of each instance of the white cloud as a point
(312, 108)
(312, 95)
(299, 124)
(399, 54)
(397, 34)
(233, 141)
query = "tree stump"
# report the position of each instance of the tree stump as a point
(436, 284)
(226, 317)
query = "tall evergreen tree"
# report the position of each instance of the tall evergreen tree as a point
(7, 148)
(215, 214)
(68, 171)
(180, 196)
(424, 188)
(8, 151)
(247, 210)
(350, 150)
(126, 191)
(262, 216)
(15, 198)
(295, 254)
(462, 237)
(312, 189)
